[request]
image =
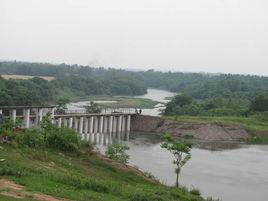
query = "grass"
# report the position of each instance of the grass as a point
(121, 102)
(252, 123)
(82, 176)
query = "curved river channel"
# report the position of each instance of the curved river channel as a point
(228, 171)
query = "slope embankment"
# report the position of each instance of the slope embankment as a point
(203, 131)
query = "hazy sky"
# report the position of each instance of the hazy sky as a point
(179, 35)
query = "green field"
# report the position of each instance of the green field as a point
(82, 176)
(252, 124)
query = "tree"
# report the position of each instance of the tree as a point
(61, 105)
(260, 103)
(118, 152)
(180, 151)
(93, 108)
(182, 100)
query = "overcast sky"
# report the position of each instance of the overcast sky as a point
(229, 36)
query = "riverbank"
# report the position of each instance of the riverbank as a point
(207, 128)
(117, 101)
(34, 174)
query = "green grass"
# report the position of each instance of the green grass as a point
(253, 124)
(122, 102)
(82, 176)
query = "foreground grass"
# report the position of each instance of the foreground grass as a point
(252, 123)
(83, 176)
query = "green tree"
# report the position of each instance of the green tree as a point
(180, 152)
(118, 152)
(93, 108)
(260, 103)
(62, 105)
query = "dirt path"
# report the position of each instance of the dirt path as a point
(10, 189)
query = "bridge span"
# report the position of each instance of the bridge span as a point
(83, 123)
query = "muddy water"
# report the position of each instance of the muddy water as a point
(228, 171)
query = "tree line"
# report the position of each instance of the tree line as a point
(210, 93)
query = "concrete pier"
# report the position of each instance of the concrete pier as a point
(81, 123)
(101, 127)
(110, 129)
(59, 122)
(119, 127)
(65, 122)
(75, 124)
(105, 124)
(128, 122)
(70, 122)
(13, 115)
(100, 124)
(40, 115)
(86, 125)
(91, 121)
(26, 118)
(114, 124)
(96, 125)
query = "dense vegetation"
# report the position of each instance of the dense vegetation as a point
(183, 104)
(71, 81)
(25, 92)
(212, 94)
(45, 161)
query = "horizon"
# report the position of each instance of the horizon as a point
(211, 36)
(133, 69)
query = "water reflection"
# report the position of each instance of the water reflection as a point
(103, 139)
(226, 170)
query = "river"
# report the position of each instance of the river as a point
(228, 171)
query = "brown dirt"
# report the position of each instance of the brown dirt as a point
(213, 132)
(10, 189)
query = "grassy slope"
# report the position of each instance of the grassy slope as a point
(82, 177)
(250, 123)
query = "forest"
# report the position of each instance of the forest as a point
(209, 94)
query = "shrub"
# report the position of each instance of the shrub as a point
(31, 138)
(118, 152)
(64, 139)
(195, 192)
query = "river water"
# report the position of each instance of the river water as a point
(228, 171)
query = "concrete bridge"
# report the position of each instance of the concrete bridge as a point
(32, 116)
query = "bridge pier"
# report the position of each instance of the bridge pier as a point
(128, 122)
(96, 124)
(76, 124)
(110, 129)
(100, 124)
(70, 122)
(13, 115)
(26, 118)
(81, 125)
(59, 122)
(86, 125)
(101, 127)
(91, 121)
(105, 122)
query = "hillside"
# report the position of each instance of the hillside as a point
(77, 176)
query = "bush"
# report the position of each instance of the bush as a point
(31, 138)
(118, 152)
(64, 139)
(195, 192)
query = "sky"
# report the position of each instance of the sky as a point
(227, 36)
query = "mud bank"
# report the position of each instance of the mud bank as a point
(142, 123)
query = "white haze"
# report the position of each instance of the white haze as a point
(229, 36)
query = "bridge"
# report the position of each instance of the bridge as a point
(83, 123)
